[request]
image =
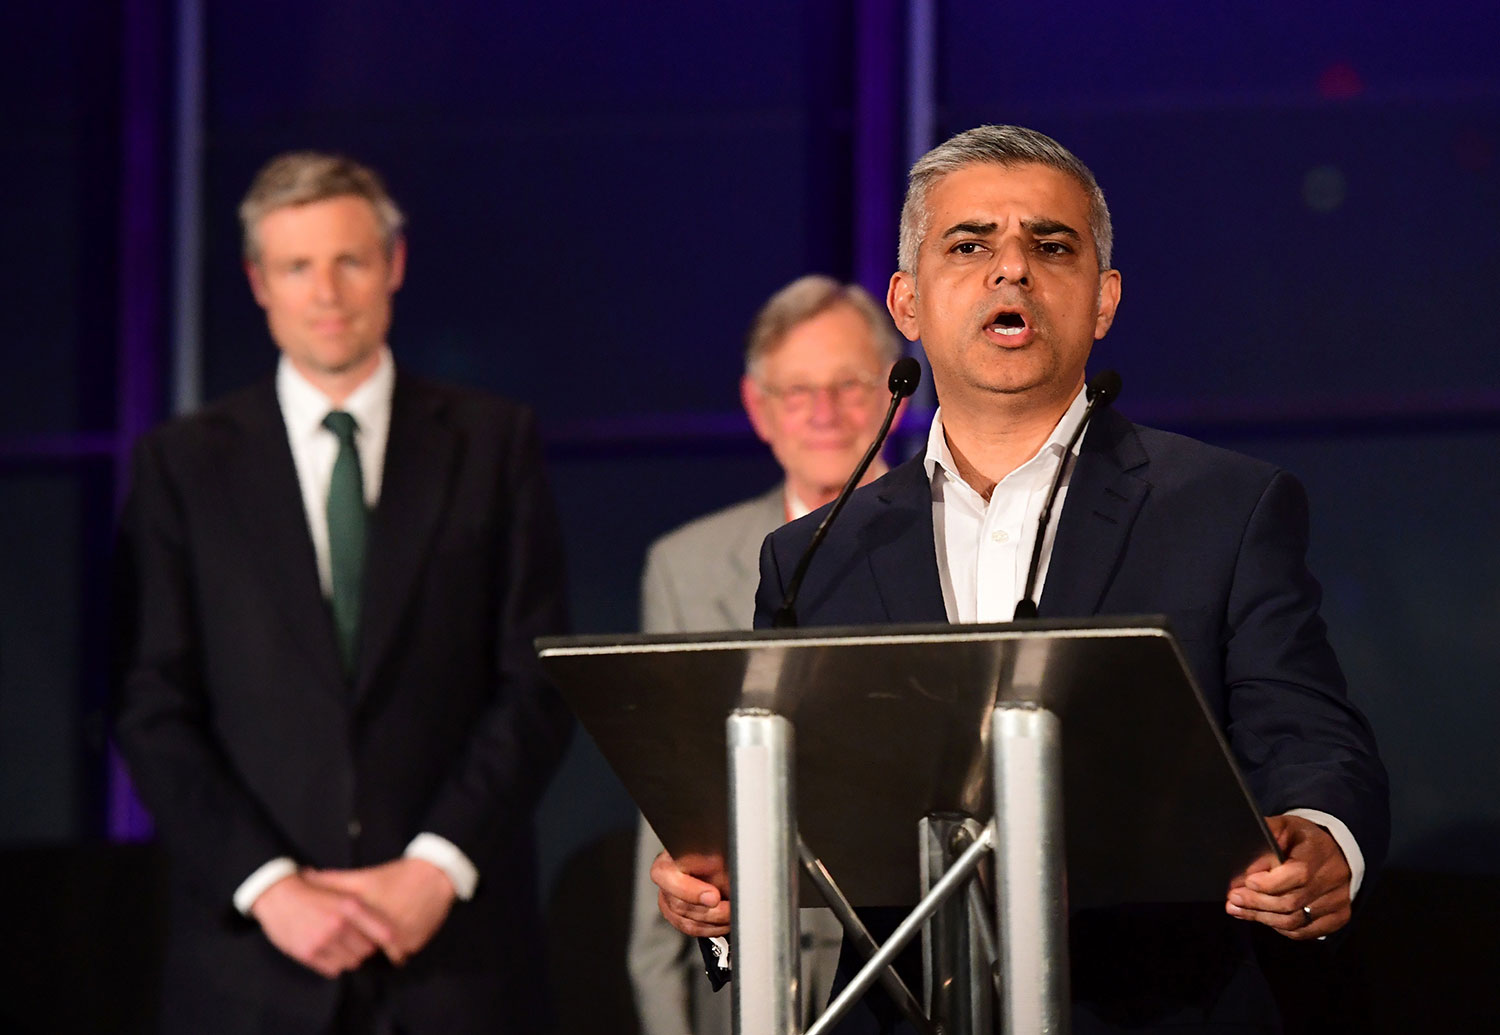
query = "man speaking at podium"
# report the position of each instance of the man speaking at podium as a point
(1005, 277)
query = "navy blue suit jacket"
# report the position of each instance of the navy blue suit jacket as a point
(1153, 523)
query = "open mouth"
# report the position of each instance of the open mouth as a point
(1009, 324)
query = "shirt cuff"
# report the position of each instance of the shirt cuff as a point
(260, 881)
(446, 856)
(1345, 840)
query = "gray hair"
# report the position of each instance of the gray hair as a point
(302, 177)
(805, 298)
(996, 145)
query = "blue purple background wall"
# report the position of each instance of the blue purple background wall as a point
(1307, 200)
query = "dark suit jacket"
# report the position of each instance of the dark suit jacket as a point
(1153, 523)
(247, 741)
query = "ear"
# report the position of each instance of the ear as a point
(1109, 301)
(257, 280)
(901, 300)
(754, 401)
(398, 265)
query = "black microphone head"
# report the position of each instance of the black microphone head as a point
(1104, 388)
(905, 376)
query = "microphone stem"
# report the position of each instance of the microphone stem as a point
(786, 615)
(1026, 607)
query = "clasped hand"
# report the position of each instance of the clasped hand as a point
(334, 920)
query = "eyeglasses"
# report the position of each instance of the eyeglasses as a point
(797, 398)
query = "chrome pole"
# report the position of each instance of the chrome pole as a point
(1030, 871)
(859, 936)
(952, 881)
(763, 865)
(956, 973)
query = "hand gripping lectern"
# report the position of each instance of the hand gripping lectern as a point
(988, 777)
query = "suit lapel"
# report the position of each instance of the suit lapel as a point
(419, 458)
(736, 598)
(900, 547)
(262, 481)
(1105, 494)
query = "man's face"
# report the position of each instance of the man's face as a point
(325, 282)
(1007, 297)
(818, 401)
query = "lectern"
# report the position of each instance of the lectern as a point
(899, 766)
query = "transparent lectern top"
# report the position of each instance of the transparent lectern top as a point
(892, 724)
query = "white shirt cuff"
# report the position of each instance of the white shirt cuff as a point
(446, 856)
(260, 881)
(1344, 839)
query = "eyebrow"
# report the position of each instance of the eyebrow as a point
(978, 229)
(1040, 227)
(1050, 228)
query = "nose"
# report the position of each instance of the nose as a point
(1011, 263)
(824, 405)
(325, 284)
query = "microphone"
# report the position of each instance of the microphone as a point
(1102, 390)
(905, 376)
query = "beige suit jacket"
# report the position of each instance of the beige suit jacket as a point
(702, 578)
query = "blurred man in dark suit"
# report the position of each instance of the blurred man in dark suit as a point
(329, 583)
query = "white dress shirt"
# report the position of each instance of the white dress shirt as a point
(795, 508)
(314, 450)
(984, 548)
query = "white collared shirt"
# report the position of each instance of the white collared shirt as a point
(984, 546)
(314, 450)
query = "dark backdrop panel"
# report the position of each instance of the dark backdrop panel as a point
(1293, 259)
(40, 527)
(599, 196)
(614, 506)
(589, 271)
(1303, 194)
(59, 106)
(1100, 55)
(60, 109)
(1403, 531)
(392, 60)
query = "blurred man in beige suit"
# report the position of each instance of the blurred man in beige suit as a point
(816, 363)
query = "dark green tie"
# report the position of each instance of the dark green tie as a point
(347, 523)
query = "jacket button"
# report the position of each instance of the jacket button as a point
(354, 829)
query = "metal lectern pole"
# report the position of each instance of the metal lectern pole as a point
(1030, 871)
(763, 864)
(955, 967)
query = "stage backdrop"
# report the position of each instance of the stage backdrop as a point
(1306, 201)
